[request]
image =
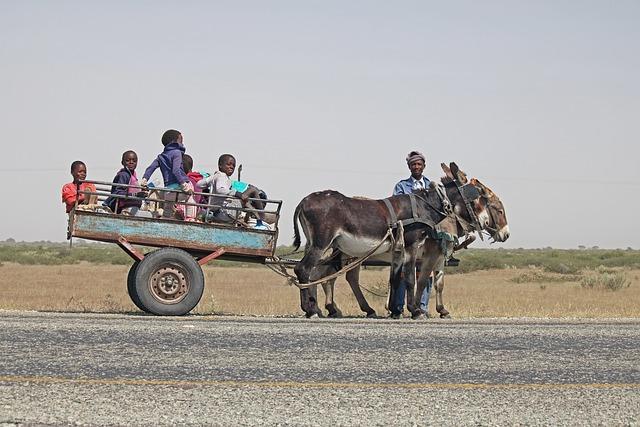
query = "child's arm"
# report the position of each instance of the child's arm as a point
(70, 194)
(222, 185)
(149, 171)
(205, 182)
(121, 178)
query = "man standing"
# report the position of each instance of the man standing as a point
(416, 161)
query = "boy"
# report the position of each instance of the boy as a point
(75, 190)
(221, 184)
(170, 164)
(126, 175)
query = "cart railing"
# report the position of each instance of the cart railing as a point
(212, 203)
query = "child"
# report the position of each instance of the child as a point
(170, 164)
(221, 184)
(76, 190)
(126, 175)
(194, 176)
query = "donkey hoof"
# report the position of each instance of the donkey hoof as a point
(445, 316)
(336, 314)
(313, 315)
(395, 316)
(372, 315)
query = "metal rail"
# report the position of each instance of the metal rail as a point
(104, 188)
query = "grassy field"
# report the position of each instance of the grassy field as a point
(534, 291)
(552, 260)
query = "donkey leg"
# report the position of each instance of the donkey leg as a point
(329, 302)
(308, 296)
(439, 285)
(409, 273)
(431, 258)
(353, 277)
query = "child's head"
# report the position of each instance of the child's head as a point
(170, 136)
(78, 171)
(187, 163)
(227, 164)
(130, 160)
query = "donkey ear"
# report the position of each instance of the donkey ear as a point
(447, 171)
(461, 176)
(475, 183)
(478, 185)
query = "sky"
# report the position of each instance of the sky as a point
(539, 100)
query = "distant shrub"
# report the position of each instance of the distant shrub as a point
(606, 279)
(536, 276)
(561, 268)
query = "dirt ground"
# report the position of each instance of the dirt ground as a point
(255, 290)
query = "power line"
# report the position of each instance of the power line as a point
(359, 172)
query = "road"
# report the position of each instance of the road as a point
(141, 370)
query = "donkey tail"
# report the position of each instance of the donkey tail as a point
(296, 232)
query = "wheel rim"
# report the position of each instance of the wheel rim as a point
(169, 285)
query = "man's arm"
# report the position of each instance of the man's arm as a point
(398, 189)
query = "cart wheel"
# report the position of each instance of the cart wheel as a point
(131, 286)
(169, 282)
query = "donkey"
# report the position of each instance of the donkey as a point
(338, 227)
(477, 209)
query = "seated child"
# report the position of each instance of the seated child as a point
(170, 164)
(75, 190)
(222, 184)
(126, 175)
(194, 177)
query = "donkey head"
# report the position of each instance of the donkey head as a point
(487, 207)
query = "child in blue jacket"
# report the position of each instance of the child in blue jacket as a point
(126, 175)
(170, 164)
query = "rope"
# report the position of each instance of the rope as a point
(372, 292)
(293, 280)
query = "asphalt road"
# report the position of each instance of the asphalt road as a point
(142, 370)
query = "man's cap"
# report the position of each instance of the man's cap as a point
(415, 156)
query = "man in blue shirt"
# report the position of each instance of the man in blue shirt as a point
(416, 161)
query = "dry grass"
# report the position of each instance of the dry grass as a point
(257, 291)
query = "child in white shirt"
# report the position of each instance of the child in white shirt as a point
(221, 183)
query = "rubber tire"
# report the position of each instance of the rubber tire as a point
(131, 286)
(186, 264)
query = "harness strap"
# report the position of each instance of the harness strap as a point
(394, 218)
(426, 221)
(414, 206)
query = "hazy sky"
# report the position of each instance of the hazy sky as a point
(540, 100)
